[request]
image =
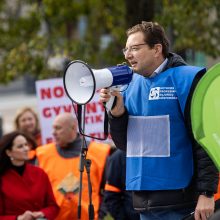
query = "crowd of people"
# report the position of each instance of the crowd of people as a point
(156, 171)
(52, 169)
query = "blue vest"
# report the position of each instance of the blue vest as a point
(159, 151)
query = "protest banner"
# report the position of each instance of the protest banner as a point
(52, 100)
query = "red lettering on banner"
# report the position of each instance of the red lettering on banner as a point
(97, 135)
(46, 112)
(89, 119)
(49, 112)
(101, 106)
(93, 119)
(91, 107)
(94, 107)
(57, 110)
(48, 93)
(45, 93)
(67, 108)
(58, 91)
(98, 118)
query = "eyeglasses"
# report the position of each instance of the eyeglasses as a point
(132, 48)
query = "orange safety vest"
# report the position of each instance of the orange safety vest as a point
(38, 139)
(64, 174)
(217, 195)
(109, 187)
(31, 154)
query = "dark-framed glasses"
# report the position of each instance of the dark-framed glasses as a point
(132, 48)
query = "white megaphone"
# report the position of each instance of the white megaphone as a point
(81, 82)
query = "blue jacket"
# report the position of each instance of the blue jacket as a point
(157, 140)
(205, 174)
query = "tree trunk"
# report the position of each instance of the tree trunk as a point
(142, 10)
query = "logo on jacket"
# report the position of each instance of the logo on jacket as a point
(154, 93)
(70, 184)
(162, 93)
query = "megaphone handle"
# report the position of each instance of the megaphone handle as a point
(111, 103)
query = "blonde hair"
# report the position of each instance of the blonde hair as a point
(20, 112)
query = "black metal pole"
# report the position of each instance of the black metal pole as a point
(1, 126)
(91, 207)
(87, 164)
(81, 170)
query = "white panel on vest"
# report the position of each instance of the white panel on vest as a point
(148, 136)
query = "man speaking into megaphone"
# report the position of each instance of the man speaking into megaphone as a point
(170, 175)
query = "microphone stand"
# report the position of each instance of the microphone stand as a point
(84, 162)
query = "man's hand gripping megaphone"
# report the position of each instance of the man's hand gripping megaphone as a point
(112, 99)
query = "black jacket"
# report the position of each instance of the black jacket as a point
(118, 204)
(205, 173)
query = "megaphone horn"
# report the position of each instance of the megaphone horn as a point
(81, 82)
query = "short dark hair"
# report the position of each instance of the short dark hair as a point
(153, 34)
(6, 143)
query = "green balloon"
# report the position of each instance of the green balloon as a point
(205, 113)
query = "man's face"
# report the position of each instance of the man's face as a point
(140, 56)
(63, 132)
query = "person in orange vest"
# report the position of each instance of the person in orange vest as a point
(217, 195)
(61, 161)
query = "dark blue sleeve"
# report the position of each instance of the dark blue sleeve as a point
(118, 204)
(118, 130)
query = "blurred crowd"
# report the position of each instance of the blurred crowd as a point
(47, 179)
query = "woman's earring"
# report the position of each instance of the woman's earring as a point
(11, 158)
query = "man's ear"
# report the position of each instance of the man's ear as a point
(158, 50)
